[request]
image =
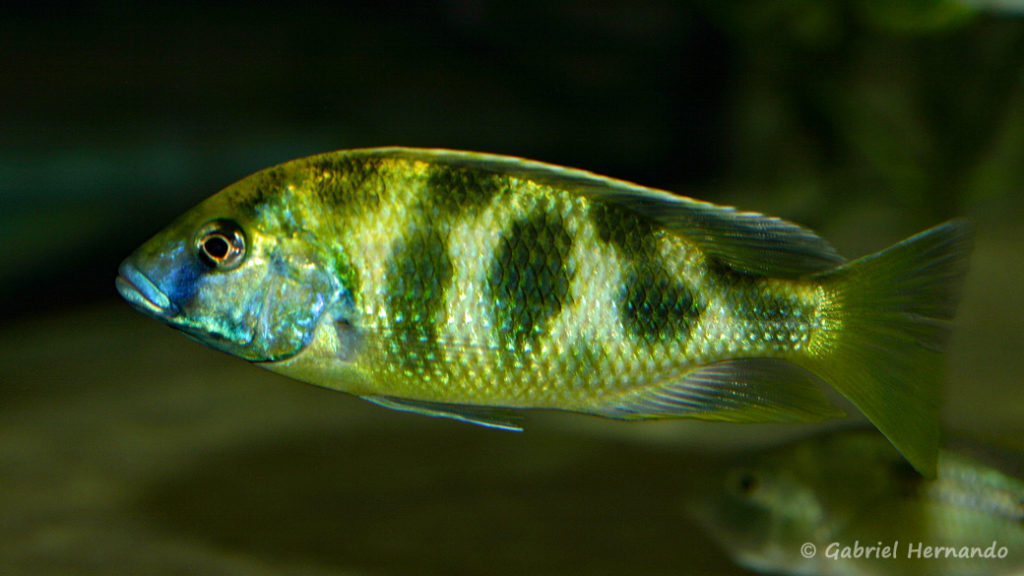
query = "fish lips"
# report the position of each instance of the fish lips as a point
(143, 294)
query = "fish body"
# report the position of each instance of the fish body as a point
(467, 285)
(849, 490)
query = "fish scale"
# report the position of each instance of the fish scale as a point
(466, 285)
(662, 316)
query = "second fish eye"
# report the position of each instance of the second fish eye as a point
(220, 244)
(745, 483)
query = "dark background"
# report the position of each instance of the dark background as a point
(126, 448)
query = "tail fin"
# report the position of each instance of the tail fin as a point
(885, 327)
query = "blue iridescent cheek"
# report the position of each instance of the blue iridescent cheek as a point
(174, 269)
(182, 282)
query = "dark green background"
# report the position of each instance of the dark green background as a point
(125, 448)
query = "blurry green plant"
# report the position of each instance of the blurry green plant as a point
(911, 104)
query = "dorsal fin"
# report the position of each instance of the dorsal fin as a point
(746, 242)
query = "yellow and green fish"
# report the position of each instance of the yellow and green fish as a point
(467, 285)
(846, 504)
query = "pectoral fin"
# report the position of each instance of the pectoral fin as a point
(744, 390)
(490, 417)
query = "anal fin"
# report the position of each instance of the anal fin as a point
(743, 390)
(487, 416)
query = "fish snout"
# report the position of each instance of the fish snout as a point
(142, 293)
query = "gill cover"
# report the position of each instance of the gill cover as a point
(280, 313)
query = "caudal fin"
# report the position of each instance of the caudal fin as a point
(885, 325)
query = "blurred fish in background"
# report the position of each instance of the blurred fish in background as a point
(844, 503)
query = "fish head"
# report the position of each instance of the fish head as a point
(239, 276)
(759, 510)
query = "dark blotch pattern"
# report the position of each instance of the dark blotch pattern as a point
(417, 278)
(773, 309)
(657, 307)
(264, 186)
(453, 189)
(631, 233)
(770, 316)
(729, 276)
(775, 320)
(357, 182)
(530, 277)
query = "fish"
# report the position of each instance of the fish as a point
(845, 503)
(471, 286)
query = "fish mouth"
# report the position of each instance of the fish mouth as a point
(142, 293)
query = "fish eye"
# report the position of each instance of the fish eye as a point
(745, 483)
(220, 244)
